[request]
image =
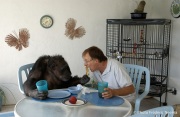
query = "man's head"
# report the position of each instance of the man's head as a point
(92, 57)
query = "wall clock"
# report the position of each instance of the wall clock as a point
(46, 21)
(175, 8)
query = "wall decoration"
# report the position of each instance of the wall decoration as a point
(46, 21)
(71, 32)
(18, 41)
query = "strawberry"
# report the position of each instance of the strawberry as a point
(72, 100)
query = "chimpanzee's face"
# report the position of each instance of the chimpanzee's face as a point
(60, 68)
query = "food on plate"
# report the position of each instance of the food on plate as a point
(72, 100)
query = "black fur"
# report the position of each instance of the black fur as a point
(56, 71)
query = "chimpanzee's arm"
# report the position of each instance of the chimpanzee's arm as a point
(31, 91)
(76, 80)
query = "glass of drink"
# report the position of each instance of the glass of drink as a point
(42, 86)
(101, 86)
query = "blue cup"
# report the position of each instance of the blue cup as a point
(42, 86)
(101, 86)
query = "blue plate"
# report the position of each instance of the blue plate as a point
(93, 98)
(58, 93)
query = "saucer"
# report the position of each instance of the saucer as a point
(79, 102)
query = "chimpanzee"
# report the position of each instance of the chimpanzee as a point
(56, 71)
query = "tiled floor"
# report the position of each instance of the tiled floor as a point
(7, 108)
(149, 103)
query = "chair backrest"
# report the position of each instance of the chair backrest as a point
(23, 69)
(137, 74)
(163, 111)
(7, 114)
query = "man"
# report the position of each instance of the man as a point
(111, 71)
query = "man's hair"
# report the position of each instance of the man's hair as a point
(95, 53)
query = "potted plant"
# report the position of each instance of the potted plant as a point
(139, 11)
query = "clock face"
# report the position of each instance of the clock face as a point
(46, 21)
(175, 8)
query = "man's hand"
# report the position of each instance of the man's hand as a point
(108, 93)
(118, 92)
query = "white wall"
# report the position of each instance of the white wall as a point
(91, 14)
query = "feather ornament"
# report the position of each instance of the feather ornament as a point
(18, 41)
(71, 32)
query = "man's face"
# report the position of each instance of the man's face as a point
(90, 63)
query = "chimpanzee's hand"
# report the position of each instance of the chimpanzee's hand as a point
(84, 79)
(39, 95)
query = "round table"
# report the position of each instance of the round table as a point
(28, 107)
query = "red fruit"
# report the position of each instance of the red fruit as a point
(72, 100)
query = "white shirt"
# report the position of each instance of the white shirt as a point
(116, 76)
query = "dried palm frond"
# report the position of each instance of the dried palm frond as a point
(87, 70)
(18, 41)
(71, 23)
(71, 32)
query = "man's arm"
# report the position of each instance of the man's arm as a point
(118, 92)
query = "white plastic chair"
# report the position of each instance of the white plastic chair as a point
(163, 111)
(23, 69)
(136, 73)
(7, 114)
